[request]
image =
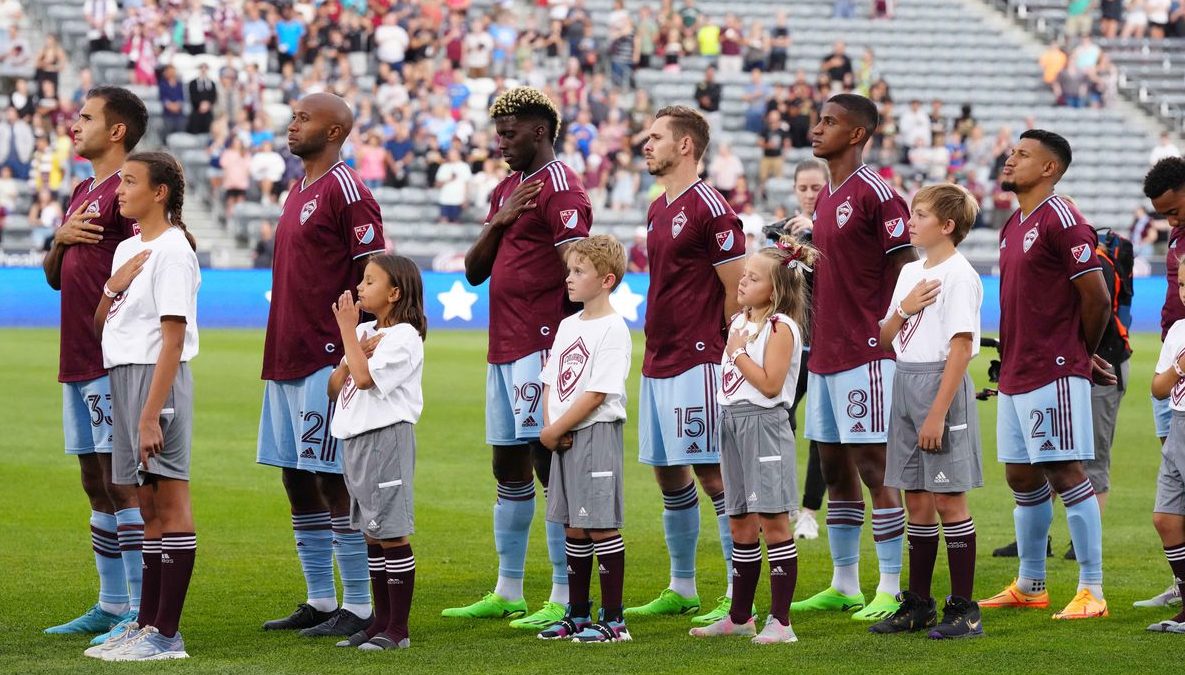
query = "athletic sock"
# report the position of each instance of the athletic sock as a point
(401, 584)
(611, 568)
(725, 531)
(1033, 515)
(377, 563)
(960, 556)
(150, 575)
(1176, 558)
(113, 585)
(558, 556)
(178, 550)
(1086, 533)
(844, 520)
(579, 569)
(349, 548)
(314, 548)
(746, 567)
(130, 529)
(888, 531)
(513, 512)
(680, 524)
(923, 552)
(783, 575)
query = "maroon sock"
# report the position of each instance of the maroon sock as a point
(783, 575)
(746, 567)
(378, 589)
(401, 582)
(611, 566)
(960, 555)
(580, 558)
(178, 550)
(1176, 556)
(923, 551)
(150, 586)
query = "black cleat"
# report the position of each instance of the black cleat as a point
(305, 616)
(1010, 551)
(960, 619)
(913, 615)
(341, 623)
(1070, 555)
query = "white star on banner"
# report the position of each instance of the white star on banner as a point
(458, 302)
(625, 302)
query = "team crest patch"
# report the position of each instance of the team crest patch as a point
(94, 207)
(1030, 237)
(895, 227)
(1081, 253)
(364, 233)
(842, 213)
(725, 240)
(910, 327)
(569, 218)
(731, 381)
(348, 391)
(677, 223)
(572, 363)
(1178, 392)
(307, 210)
(116, 304)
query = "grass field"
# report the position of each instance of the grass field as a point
(247, 570)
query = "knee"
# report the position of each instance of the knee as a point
(333, 491)
(1169, 527)
(512, 464)
(951, 507)
(710, 478)
(122, 496)
(303, 494)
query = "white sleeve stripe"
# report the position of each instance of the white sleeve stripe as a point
(898, 248)
(559, 181)
(710, 196)
(570, 239)
(350, 182)
(713, 206)
(881, 192)
(346, 181)
(363, 255)
(1093, 269)
(1063, 212)
(717, 264)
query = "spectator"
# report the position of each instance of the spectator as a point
(1086, 54)
(265, 247)
(10, 190)
(196, 24)
(100, 19)
(479, 49)
(621, 57)
(800, 119)
(773, 141)
(837, 65)
(452, 180)
(732, 45)
(236, 173)
(1158, 17)
(290, 32)
(257, 35)
(399, 155)
(482, 185)
(672, 51)
(1112, 15)
(45, 216)
(639, 263)
(1164, 149)
(1071, 87)
(707, 97)
(843, 9)
(1053, 60)
(172, 98)
(16, 144)
(1103, 81)
(965, 122)
(22, 99)
(583, 132)
(756, 47)
(50, 61)
(1135, 20)
(938, 122)
(779, 46)
(914, 125)
(647, 35)
(391, 42)
(756, 96)
(725, 170)
(1079, 20)
(624, 181)
(596, 173)
(505, 35)
(267, 171)
(203, 95)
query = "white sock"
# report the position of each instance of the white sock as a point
(360, 611)
(1030, 586)
(890, 583)
(116, 608)
(846, 579)
(559, 593)
(728, 593)
(509, 589)
(1095, 589)
(684, 586)
(322, 604)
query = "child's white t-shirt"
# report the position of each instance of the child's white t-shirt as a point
(396, 367)
(925, 337)
(1171, 350)
(592, 355)
(734, 388)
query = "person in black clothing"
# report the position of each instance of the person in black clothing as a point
(203, 94)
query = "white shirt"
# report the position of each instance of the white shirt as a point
(479, 50)
(166, 286)
(592, 355)
(266, 166)
(1173, 348)
(396, 367)
(1163, 151)
(734, 388)
(454, 179)
(392, 42)
(925, 337)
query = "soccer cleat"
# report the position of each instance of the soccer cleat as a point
(960, 619)
(805, 526)
(355, 640)
(343, 622)
(1010, 551)
(93, 620)
(149, 645)
(491, 606)
(775, 633)
(1171, 597)
(726, 627)
(668, 603)
(829, 600)
(1084, 606)
(115, 640)
(1168, 626)
(305, 616)
(1012, 596)
(565, 628)
(913, 614)
(381, 642)
(118, 628)
(602, 632)
(723, 607)
(882, 606)
(547, 616)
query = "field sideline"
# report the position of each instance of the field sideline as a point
(247, 570)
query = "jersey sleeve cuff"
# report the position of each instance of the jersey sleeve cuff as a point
(897, 248)
(738, 257)
(366, 253)
(569, 240)
(1093, 269)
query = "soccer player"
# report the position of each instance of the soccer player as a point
(1054, 307)
(1165, 187)
(109, 125)
(696, 250)
(860, 232)
(329, 226)
(535, 212)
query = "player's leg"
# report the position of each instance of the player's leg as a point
(917, 607)
(541, 459)
(565, 483)
(698, 386)
(1171, 528)
(680, 524)
(746, 565)
(1162, 415)
(961, 616)
(400, 570)
(609, 548)
(888, 529)
(710, 480)
(350, 551)
(805, 525)
(783, 577)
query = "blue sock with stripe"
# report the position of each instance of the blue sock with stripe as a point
(113, 585)
(513, 512)
(680, 525)
(725, 538)
(349, 548)
(130, 528)
(1033, 515)
(888, 532)
(557, 554)
(314, 548)
(844, 521)
(1086, 532)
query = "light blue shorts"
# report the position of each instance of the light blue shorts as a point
(851, 406)
(294, 426)
(677, 418)
(514, 400)
(86, 416)
(1051, 424)
(1162, 412)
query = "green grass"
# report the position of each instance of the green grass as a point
(247, 570)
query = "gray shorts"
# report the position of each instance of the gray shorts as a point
(1104, 408)
(958, 466)
(1170, 480)
(757, 460)
(586, 489)
(378, 467)
(129, 390)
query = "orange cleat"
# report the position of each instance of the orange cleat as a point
(1084, 606)
(1012, 596)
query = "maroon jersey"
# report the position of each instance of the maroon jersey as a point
(1040, 313)
(325, 228)
(1173, 310)
(85, 268)
(857, 225)
(686, 238)
(528, 297)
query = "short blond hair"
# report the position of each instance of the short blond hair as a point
(950, 202)
(604, 252)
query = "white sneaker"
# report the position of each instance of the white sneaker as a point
(1170, 598)
(775, 633)
(1167, 626)
(114, 642)
(805, 527)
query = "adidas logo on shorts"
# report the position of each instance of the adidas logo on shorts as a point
(308, 454)
(693, 448)
(582, 513)
(530, 422)
(372, 525)
(1047, 446)
(753, 496)
(777, 572)
(941, 478)
(858, 428)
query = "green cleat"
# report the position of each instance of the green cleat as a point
(551, 614)
(882, 607)
(491, 606)
(831, 600)
(668, 603)
(723, 607)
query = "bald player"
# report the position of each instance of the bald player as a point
(329, 225)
